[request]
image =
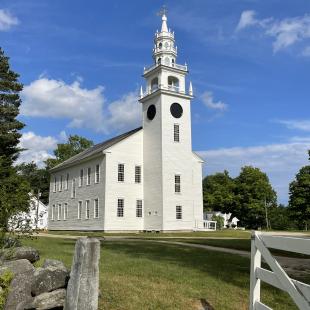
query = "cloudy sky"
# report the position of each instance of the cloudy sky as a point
(81, 64)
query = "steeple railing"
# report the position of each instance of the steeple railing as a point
(173, 65)
(172, 88)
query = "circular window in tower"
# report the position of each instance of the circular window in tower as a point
(151, 112)
(176, 110)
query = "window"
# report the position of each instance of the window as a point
(120, 207)
(121, 173)
(177, 183)
(73, 191)
(88, 176)
(79, 210)
(176, 133)
(55, 184)
(139, 208)
(87, 209)
(65, 211)
(154, 84)
(173, 83)
(81, 177)
(53, 212)
(97, 175)
(67, 182)
(96, 208)
(60, 184)
(137, 174)
(59, 212)
(41, 222)
(178, 212)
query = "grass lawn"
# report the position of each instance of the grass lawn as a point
(149, 275)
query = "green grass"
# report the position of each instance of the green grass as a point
(149, 275)
(208, 234)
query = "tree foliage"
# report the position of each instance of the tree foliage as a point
(299, 199)
(64, 151)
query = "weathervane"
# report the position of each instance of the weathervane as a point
(163, 11)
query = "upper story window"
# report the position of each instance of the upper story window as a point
(139, 208)
(87, 211)
(176, 133)
(137, 174)
(97, 174)
(81, 177)
(96, 208)
(60, 184)
(178, 212)
(55, 184)
(67, 182)
(65, 211)
(120, 207)
(159, 61)
(154, 84)
(177, 183)
(73, 190)
(80, 209)
(121, 173)
(88, 176)
(173, 83)
(160, 45)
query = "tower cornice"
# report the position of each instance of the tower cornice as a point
(157, 67)
(164, 91)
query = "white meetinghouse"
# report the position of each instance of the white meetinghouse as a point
(147, 179)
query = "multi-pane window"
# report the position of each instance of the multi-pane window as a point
(65, 211)
(60, 184)
(88, 176)
(53, 212)
(120, 207)
(97, 174)
(73, 191)
(178, 212)
(137, 174)
(79, 210)
(121, 173)
(177, 183)
(81, 177)
(176, 133)
(67, 182)
(139, 208)
(55, 184)
(87, 209)
(96, 208)
(59, 212)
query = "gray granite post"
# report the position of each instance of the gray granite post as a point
(83, 286)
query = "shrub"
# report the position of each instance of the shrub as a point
(5, 280)
(219, 221)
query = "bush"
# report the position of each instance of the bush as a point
(219, 221)
(5, 280)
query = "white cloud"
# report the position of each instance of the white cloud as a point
(38, 148)
(280, 161)
(208, 100)
(306, 51)
(285, 32)
(7, 20)
(84, 108)
(303, 125)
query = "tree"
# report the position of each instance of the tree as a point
(254, 197)
(64, 151)
(218, 192)
(13, 188)
(279, 218)
(299, 197)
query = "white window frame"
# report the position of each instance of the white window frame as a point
(138, 174)
(178, 212)
(88, 176)
(176, 133)
(120, 209)
(177, 184)
(121, 172)
(87, 209)
(55, 184)
(97, 173)
(67, 182)
(139, 208)
(65, 211)
(80, 206)
(81, 177)
(96, 208)
(73, 190)
(53, 212)
(59, 212)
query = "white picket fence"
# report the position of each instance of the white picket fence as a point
(299, 292)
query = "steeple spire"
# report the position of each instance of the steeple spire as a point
(163, 12)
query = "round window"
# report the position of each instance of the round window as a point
(151, 112)
(176, 110)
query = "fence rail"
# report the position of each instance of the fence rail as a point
(277, 277)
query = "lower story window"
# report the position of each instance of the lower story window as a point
(80, 210)
(139, 208)
(59, 212)
(120, 207)
(96, 208)
(53, 212)
(87, 209)
(178, 210)
(65, 211)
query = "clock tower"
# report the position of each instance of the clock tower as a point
(172, 172)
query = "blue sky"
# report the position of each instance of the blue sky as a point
(81, 64)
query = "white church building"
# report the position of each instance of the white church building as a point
(147, 179)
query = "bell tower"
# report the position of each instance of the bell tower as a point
(167, 147)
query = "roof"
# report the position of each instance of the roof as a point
(96, 149)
